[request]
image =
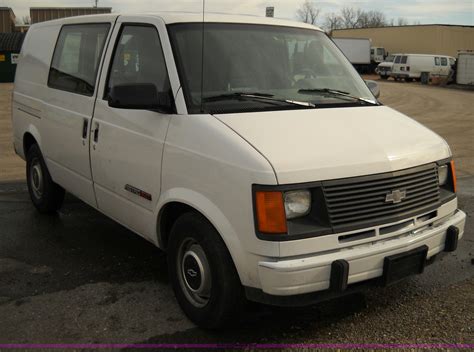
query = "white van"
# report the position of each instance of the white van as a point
(263, 164)
(384, 69)
(410, 66)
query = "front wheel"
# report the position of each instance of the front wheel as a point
(384, 77)
(46, 195)
(204, 278)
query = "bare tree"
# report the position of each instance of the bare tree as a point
(363, 20)
(350, 17)
(402, 21)
(376, 19)
(357, 18)
(308, 12)
(332, 21)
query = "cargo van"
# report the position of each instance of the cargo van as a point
(251, 152)
(384, 69)
(410, 66)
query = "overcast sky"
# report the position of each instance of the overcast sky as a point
(424, 11)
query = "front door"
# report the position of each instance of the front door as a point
(437, 68)
(445, 68)
(126, 144)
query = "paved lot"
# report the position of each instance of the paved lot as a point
(11, 166)
(79, 277)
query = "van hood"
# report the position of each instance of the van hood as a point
(323, 144)
(385, 64)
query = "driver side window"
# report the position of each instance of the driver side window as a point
(139, 58)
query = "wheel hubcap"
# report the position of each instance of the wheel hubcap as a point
(36, 178)
(194, 273)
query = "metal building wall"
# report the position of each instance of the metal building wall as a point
(7, 20)
(42, 14)
(422, 39)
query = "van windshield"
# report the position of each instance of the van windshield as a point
(259, 68)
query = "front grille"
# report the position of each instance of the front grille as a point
(384, 69)
(363, 200)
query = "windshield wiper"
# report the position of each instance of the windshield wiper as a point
(257, 96)
(336, 93)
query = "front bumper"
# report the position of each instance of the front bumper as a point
(307, 274)
(400, 75)
(383, 72)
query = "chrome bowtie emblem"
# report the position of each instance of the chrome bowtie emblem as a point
(396, 197)
(192, 273)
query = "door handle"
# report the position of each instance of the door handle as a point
(96, 133)
(84, 128)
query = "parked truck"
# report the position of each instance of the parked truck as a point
(377, 55)
(465, 67)
(357, 51)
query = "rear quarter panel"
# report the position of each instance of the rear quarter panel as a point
(30, 88)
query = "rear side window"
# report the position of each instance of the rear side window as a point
(444, 61)
(437, 61)
(404, 59)
(76, 58)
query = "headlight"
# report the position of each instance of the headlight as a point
(443, 175)
(297, 203)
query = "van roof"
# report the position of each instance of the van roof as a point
(186, 17)
(425, 55)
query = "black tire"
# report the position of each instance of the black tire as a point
(384, 77)
(223, 300)
(46, 195)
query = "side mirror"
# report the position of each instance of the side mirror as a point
(374, 88)
(139, 96)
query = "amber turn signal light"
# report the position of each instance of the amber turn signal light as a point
(271, 218)
(453, 174)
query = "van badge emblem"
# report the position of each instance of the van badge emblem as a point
(396, 197)
(192, 273)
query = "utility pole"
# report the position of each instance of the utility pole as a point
(270, 12)
(96, 2)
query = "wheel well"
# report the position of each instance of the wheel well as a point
(168, 215)
(28, 141)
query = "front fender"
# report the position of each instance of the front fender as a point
(209, 210)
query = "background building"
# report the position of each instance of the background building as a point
(22, 28)
(42, 14)
(10, 46)
(7, 20)
(420, 39)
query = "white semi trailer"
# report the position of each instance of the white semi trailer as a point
(357, 51)
(465, 70)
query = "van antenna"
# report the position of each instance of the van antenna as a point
(202, 55)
